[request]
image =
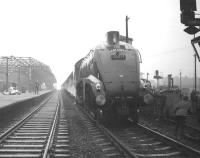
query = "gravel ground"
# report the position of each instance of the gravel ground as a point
(82, 144)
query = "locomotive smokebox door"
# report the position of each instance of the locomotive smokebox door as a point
(112, 37)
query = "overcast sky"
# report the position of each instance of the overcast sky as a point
(61, 32)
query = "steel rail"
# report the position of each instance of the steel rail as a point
(180, 145)
(21, 122)
(186, 125)
(52, 132)
(126, 151)
(123, 148)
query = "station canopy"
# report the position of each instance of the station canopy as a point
(27, 65)
(23, 62)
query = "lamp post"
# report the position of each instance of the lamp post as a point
(7, 60)
(29, 77)
(199, 84)
(19, 77)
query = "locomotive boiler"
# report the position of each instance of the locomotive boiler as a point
(106, 82)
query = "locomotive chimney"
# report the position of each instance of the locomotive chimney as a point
(112, 37)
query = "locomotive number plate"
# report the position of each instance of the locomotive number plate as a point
(118, 57)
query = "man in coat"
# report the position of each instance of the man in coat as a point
(181, 110)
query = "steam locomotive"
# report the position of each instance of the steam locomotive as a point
(106, 82)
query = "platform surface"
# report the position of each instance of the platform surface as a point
(9, 99)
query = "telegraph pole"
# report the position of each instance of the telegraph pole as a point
(157, 77)
(6, 73)
(195, 73)
(180, 81)
(5, 57)
(30, 77)
(127, 18)
(19, 78)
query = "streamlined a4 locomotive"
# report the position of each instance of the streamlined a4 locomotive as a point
(107, 81)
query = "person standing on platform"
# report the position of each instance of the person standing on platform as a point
(182, 109)
(37, 87)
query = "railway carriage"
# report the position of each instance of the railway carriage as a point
(107, 81)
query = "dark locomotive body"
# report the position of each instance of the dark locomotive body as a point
(106, 82)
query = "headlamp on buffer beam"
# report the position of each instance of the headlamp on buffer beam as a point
(98, 86)
(100, 99)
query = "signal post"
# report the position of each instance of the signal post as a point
(188, 8)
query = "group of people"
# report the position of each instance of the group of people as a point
(181, 110)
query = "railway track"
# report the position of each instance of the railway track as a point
(16, 116)
(108, 147)
(34, 135)
(45, 133)
(144, 142)
(107, 142)
(190, 131)
(167, 127)
(136, 141)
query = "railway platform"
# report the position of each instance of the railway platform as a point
(6, 100)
